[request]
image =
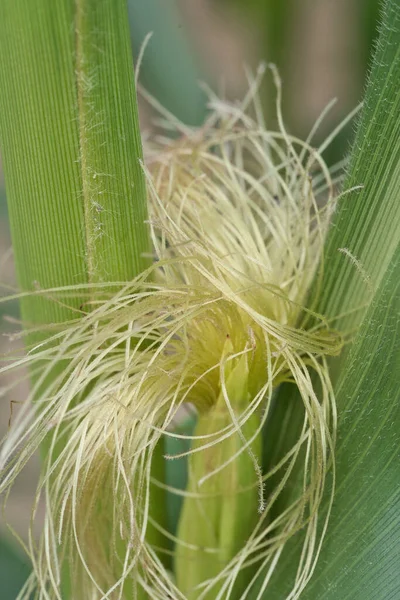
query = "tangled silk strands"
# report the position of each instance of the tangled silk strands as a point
(238, 217)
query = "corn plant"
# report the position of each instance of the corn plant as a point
(222, 268)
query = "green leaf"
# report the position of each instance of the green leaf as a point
(367, 222)
(71, 150)
(40, 150)
(71, 147)
(361, 552)
(361, 555)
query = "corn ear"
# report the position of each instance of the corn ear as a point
(220, 511)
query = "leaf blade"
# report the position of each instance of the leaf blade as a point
(40, 151)
(367, 225)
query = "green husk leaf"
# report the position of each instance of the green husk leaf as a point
(361, 549)
(367, 221)
(221, 514)
(359, 558)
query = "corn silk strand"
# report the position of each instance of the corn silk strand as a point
(238, 219)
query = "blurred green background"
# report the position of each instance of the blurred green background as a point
(322, 49)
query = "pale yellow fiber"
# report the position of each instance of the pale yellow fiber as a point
(238, 219)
